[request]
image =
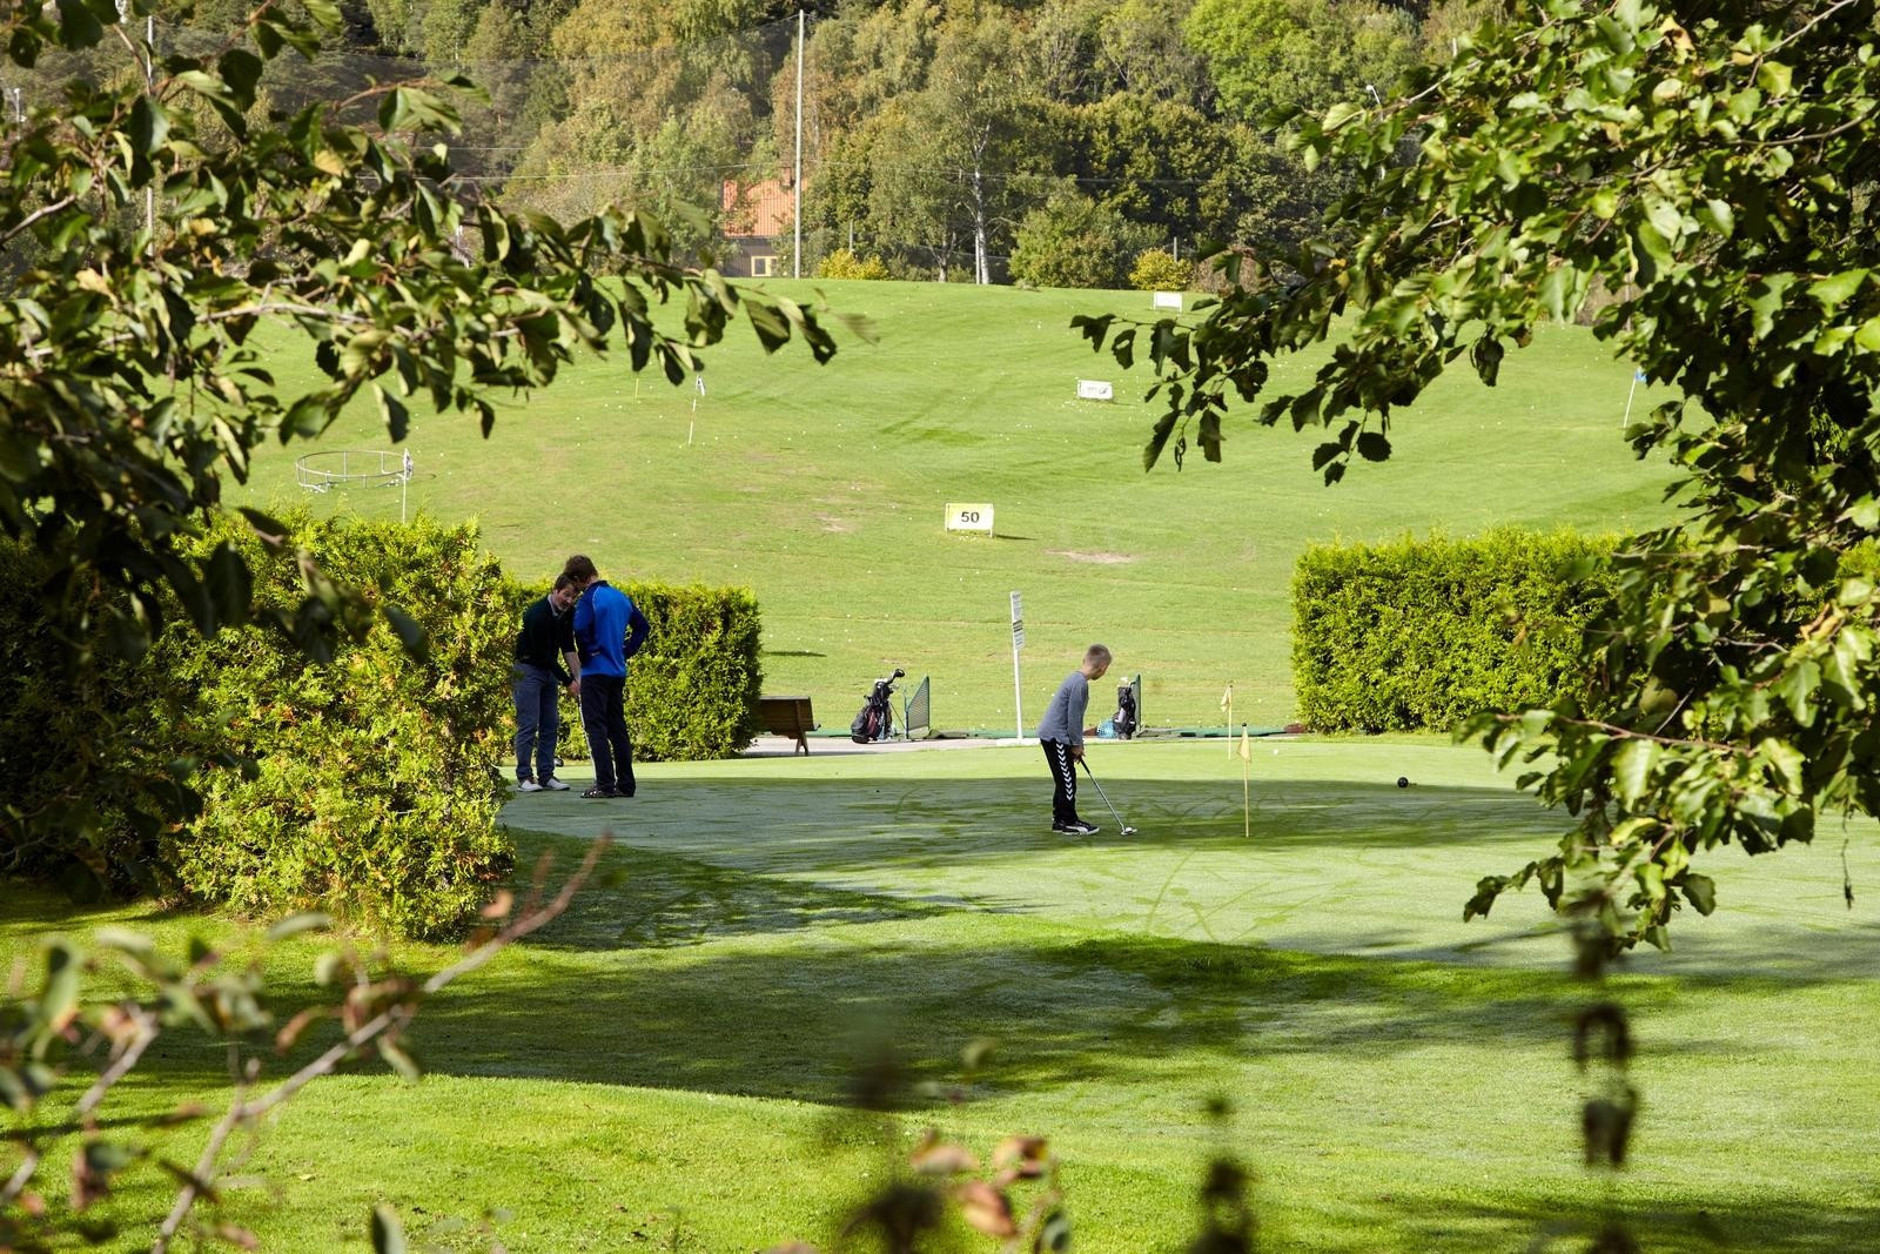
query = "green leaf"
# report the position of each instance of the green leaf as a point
(1774, 77)
(1340, 114)
(241, 70)
(1665, 218)
(1833, 292)
(1718, 216)
(78, 26)
(149, 126)
(393, 413)
(1764, 299)
(1700, 891)
(59, 999)
(388, 1235)
(1797, 684)
(411, 633)
(305, 921)
(773, 329)
(1632, 768)
(1787, 760)
(272, 531)
(1373, 447)
(325, 12)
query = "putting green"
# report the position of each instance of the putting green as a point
(662, 1067)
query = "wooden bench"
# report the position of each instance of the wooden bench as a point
(787, 716)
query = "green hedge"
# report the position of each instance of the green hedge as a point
(1423, 633)
(692, 690)
(234, 770)
(374, 792)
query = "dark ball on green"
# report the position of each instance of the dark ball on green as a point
(1403, 781)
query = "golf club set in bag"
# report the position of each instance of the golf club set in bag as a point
(875, 722)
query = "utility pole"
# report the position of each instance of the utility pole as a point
(796, 181)
(149, 59)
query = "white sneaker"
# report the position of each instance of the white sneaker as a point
(551, 784)
(528, 785)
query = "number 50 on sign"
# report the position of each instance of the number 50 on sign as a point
(969, 518)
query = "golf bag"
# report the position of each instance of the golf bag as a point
(1125, 718)
(876, 719)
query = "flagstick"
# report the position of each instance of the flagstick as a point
(1246, 789)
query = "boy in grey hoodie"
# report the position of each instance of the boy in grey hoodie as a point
(1062, 735)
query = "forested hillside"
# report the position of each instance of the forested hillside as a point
(1050, 143)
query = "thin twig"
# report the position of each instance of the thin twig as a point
(44, 211)
(243, 1112)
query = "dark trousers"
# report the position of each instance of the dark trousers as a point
(604, 716)
(1063, 780)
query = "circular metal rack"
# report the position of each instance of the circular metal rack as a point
(327, 469)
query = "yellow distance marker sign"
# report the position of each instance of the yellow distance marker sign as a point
(969, 518)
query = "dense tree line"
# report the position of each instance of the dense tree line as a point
(1049, 142)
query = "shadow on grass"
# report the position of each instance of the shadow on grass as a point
(1703, 1223)
(797, 1020)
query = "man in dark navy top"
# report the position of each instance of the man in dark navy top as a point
(547, 636)
(608, 629)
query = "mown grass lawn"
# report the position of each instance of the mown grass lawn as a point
(822, 489)
(667, 1066)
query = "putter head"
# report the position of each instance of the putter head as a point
(1129, 831)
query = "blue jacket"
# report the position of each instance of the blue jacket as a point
(608, 628)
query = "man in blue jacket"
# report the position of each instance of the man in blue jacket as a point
(608, 629)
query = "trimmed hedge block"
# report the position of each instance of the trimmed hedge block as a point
(692, 690)
(1423, 633)
(374, 791)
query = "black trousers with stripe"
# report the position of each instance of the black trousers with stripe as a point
(1063, 781)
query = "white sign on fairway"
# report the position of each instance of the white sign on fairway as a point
(969, 518)
(1168, 300)
(1094, 390)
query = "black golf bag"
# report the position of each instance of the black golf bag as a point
(876, 719)
(1125, 719)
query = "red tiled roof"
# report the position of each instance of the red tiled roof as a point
(762, 209)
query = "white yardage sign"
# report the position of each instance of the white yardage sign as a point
(969, 518)
(1094, 390)
(1018, 623)
(1168, 300)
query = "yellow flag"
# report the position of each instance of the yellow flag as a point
(1227, 697)
(1246, 746)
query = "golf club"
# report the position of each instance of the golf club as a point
(1126, 829)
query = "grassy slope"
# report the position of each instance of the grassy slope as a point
(822, 489)
(657, 1070)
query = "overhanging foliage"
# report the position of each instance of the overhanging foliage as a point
(1713, 167)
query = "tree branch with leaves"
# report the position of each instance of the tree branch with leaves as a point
(1714, 168)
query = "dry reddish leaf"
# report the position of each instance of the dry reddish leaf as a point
(237, 1236)
(940, 1159)
(181, 1115)
(1018, 1149)
(500, 906)
(794, 1247)
(986, 1209)
(291, 1030)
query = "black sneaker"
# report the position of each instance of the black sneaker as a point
(1078, 828)
(598, 793)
